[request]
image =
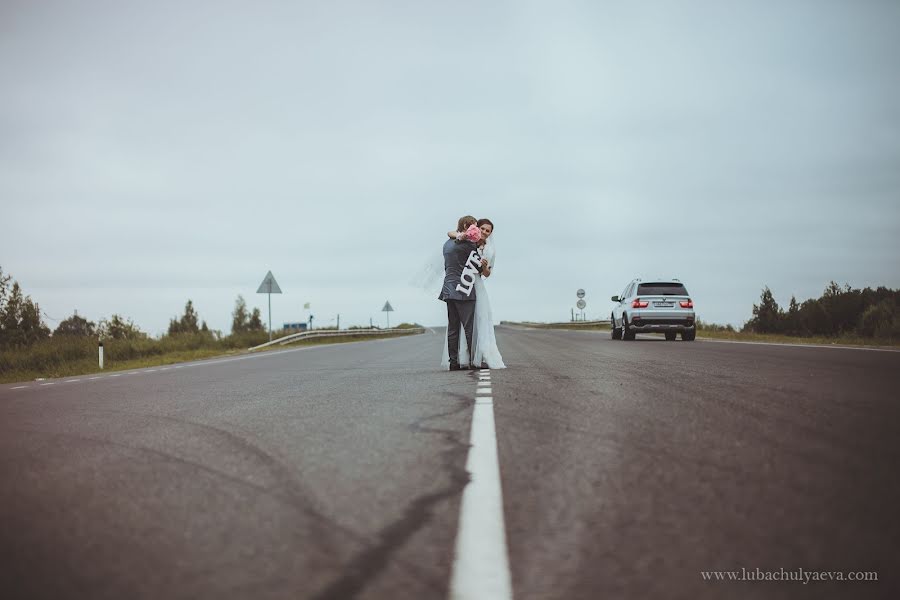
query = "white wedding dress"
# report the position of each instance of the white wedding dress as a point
(485, 343)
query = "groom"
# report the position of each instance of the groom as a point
(462, 264)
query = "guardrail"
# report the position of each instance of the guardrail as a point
(305, 335)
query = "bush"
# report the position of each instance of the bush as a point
(703, 326)
(880, 320)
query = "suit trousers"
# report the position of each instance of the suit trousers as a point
(459, 313)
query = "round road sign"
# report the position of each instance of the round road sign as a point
(580, 293)
(581, 304)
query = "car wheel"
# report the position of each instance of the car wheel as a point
(627, 332)
(688, 335)
(616, 331)
(670, 336)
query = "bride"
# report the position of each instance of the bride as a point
(485, 350)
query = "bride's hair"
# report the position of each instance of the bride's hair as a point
(465, 222)
(483, 221)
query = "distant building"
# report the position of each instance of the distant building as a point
(294, 327)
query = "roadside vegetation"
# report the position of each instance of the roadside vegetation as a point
(841, 312)
(30, 350)
(841, 315)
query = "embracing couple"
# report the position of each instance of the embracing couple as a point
(468, 260)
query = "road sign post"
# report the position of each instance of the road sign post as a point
(387, 310)
(581, 303)
(269, 286)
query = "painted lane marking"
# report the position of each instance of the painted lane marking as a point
(483, 391)
(481, 562)
(71, 381)
(19, 387)
(51, 383)
(97, 377)
(116, 375)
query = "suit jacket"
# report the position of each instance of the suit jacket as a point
(462, 264)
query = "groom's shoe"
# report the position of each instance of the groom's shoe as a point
(455, 367)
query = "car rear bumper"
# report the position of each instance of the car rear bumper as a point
(662, 321)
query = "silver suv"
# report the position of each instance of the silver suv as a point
(658, 306)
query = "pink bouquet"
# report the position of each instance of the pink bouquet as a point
(473, 233)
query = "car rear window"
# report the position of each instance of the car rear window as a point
(661, 289)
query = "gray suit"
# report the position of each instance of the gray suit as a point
(462, 264)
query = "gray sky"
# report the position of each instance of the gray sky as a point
(158, 151)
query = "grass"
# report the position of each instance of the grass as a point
(718, 333)
(66, 357)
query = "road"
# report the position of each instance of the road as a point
(627, 469)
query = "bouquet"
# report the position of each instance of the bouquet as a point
(472, 234)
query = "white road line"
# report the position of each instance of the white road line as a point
(97, 377)
(709, 340)
(481, 563)
(71, 381)
(116, 375)
(51, 383)
(19, 387)
(486, 390)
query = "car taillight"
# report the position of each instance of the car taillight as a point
(687, 304)
(638, 304)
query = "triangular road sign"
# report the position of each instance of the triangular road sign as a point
(269, 285)
(387, 307)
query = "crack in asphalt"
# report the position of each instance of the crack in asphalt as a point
(370, 562)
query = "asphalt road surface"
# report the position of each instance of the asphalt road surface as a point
(627, 469)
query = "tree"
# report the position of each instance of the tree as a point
(767, 316)
(76, 326)
(4, 288)
(187, 323)
(31, 325)
(20, 317)
(792, 318)
(881, 320)
(843, 305)
(239, 317)
(118, 328)
(12, 309)
(256, 323)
